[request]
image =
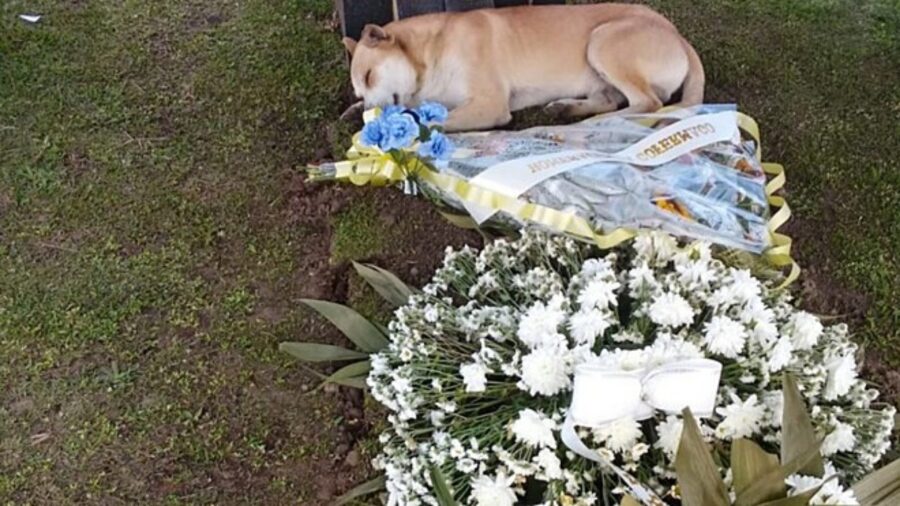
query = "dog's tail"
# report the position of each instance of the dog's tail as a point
(692, 89)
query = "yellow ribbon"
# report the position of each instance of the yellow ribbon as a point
(368, 165)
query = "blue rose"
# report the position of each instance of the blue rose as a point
(398, 131)
(390, 110)
(372, 133)
(432, 112)
(438, 147)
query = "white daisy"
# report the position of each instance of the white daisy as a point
(540, 324)
(740, 418)
(804, 330)
(493, 492)
(780, 355)
(550, 464)
(724, 336)
(671, 310)
(841, 375)
(669, 433)
(587, 325)
(841, 439)
(598, 294)
(619, 435)
(545, 371)
(534, 429)
(474, 376)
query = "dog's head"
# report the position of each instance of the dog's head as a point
(381, 71)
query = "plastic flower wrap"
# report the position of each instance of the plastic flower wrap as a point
(693, 173)
(481, 374)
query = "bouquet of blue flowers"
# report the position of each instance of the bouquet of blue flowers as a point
(400, 131)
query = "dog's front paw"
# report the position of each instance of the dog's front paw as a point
(558, 109)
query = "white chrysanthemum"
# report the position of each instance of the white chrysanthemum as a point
(598, 294)
(831, 493)
(740, 418)
(656, 247)
(474, 376)
(587, 325)
(619, 435)
(550, 464)
(534, 429)
(641, 276)
(781, 354)
(671, 310)
(744, 287)
(545, 371)
(669, 434)
(841, 439)
(841, 375)
(540, 324)
(724, 336)
(493, 492)
(804, 330)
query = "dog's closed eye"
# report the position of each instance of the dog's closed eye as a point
(369, 79)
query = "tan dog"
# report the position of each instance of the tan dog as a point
(582, 59)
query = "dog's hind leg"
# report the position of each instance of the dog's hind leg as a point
(644, 60)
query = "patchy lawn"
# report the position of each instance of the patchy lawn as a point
(156, 231)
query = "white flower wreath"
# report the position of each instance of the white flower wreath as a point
(479, 371)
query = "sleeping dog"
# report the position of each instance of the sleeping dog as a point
(578, 60)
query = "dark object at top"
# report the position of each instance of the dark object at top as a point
(355, 14)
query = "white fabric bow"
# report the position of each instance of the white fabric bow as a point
(602, 395)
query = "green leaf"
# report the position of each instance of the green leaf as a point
(385, 283)
(797, 430)
(698, 476)
(352, 371)
(749, 463)
(354, 382)
(881, 487)
(441, 490)
(369, 487)
(757, 492)
(352, 324)
(314, 352)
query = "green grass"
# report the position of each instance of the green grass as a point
(359, 233)
(151, 259)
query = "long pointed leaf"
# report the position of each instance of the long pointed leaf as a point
(441, 490)
(756, 493)
(385, 283)
(354, 382)
(698, 476)
(352, 324)
(748, 463)
(315, 352)
(350, 371)
(369, 487)
(880, 486)
(797, 429)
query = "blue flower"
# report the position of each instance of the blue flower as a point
(373, 133)
(398, 131)
(439, 147)
(432, 112)
(390, 110)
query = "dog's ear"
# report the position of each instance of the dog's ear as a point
(350, 44)
(373, 35)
